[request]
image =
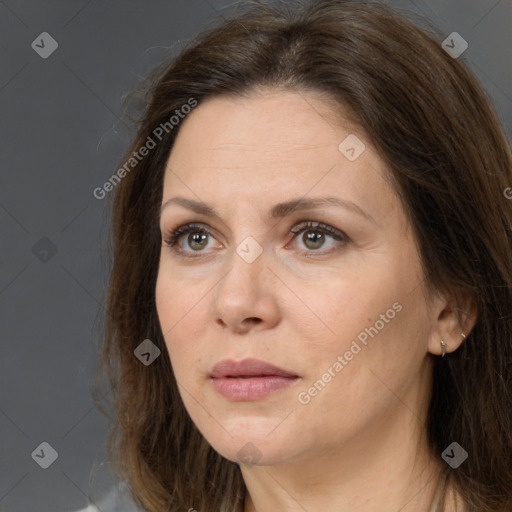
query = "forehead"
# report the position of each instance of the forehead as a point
(263, 121)
(274, 145)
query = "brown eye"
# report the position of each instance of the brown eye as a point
(315, 235)
(196, 240)
(313, 239)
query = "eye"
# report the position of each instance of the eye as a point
(314, 235)
(197, 239)
(314, 238)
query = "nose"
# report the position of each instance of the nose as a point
(245, 298)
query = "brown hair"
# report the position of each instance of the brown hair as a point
(450, 163)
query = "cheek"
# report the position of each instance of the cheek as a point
(333, 310)
(368, 318)
(179, 307)
(358, 375)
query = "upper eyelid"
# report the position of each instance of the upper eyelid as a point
(297, 228)
(202, 225)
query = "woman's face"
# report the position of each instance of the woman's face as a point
(338, 303)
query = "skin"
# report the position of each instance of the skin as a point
(358, 444)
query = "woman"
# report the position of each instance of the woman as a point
(310, 302)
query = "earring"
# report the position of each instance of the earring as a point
(462, 334)
(443, 348)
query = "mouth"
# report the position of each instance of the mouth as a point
(249, 379)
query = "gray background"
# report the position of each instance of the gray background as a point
(62, 136)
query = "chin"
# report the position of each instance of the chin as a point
(253, 452)
(250, 443)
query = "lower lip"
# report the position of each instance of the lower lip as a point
(250, 388)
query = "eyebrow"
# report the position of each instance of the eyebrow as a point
(278, 211)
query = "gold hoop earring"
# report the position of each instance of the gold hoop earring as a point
(462, 334)
(443, 348)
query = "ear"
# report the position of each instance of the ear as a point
(454, 317)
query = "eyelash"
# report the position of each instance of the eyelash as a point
(173, 237)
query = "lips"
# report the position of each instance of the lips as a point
(250, 379)
(248, 368)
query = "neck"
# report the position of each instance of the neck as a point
(383, 469)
